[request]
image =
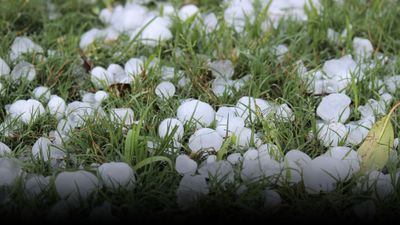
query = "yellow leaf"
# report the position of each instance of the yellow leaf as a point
(374, 152)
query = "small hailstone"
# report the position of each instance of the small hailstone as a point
(165, 90)
(4, 149)
(1, 89)
(134, 67)
(221, 171)
(42, 93)
(395, 143)
(117, 175)
(284, 113)
(334, 108)
(245, 137)
(185, 165)
(23, 70)
(154, 32)
(89, 37)
(190, 190)
(122, 115)
(205, 139)
(234, 158)
(22, 45)
(248, 108)
(340, 69)
(211, 159)
(118, 74)
(224, 112)
(26, 110)
(56, 106)
(44, 149)
(100, 77)
(210, 22)
(10, 170)
(280, 51)
(357, 134)
(237, 14)
(105, 15)
(299, 157)
(76, 186)
(272, 199)
(331, 134)
(100, 96)
(187, 11)
(222, 68)
(4, 68)
(35, 185)
(167, 126)
(362, 47)
(201, 113)
(392, 83)
(230, 125)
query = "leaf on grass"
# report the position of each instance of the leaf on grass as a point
(374, 152)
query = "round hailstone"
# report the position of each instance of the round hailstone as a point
(22, 45)
(89, 37)
(134, 67)
(35, 185)
(220, 171)
(205, 139)
(10, 170)
(210, 22)
(76, 186)
(246, 137)
(334, 108)
(100, 77)
(222, 68)
(118, 74)
(155, 32)
(117, 175)
(341, 69)
(331, 134)
(272, 199)
(100, 96)
(234, 158)
(230, 125)
(201, 113)
(122, 116)
(26, 110)
(357, 134)
(299, 157)
(56, 106)
(348, 156)
(187, 11)
(362, 48)
(284, 113)
(4, 68)
(211, 159)
(185, 165)
(190, 190)
(4, 149)
(44, 149)
(280, 51)
(249, 107)
(165, 90)
(167, 126)
(237, 14)
(224, 112)
(42, 93)
(23, 70)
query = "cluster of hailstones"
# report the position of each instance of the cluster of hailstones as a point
(152, 26)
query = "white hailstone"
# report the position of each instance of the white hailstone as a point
(167, 73)
(187, 12)
(56, 106)
(4, 68)
(357, 134)
(280, 51)
(77, 112)
(237, 14)
(45, 150)
(205, 139)
(377, 107)
(220, 86)
(224, 112)
(26, 110)
(258, 166)
(222, 68)
(333, 36)
(168, 125)
(185, 165)
(89, 37)
(220, 171)
(362, 48)
(246, 137)
(22, 45)
(248, 108)
(272, 199)
(122, 116)
(4, 149)
(198, 112)
(331, 134)
(365, 209)
(299, 157)
(334, 108)
(395, 143)
(10, 170)
(118, 73)
(1, 89)
(100, 77)
(292, 173)
(76, 186)
(117, 175)
(165, 90)
(190, 190)
(271, 150)
(346, 155)
(35, 185)
(100, 96)
(155, 32)
(210, 22)
(211, 159)
(284, 113)
(391, 83)
(234, 158)
(42, 93)
(230, 125)
(105, 15)
(23, 70)
(134, 67)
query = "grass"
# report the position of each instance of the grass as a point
(251, 51)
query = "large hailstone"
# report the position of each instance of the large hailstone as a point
(42, 92)
(122, 116)
(245, 137)
(299, 157)
(169, 125)
(331, 134)
(185, 165)
(219, 171)
(10, 170)
(26, 110)
(100, 77)
(35, 185)
(23, 70)
(334, 108)
(56, 106)
(165, 90)
(187, 11)
(44, 149)
(198, 112)
(4, 68)
(134, 67)
(76, 186)
(117, 175)
(230, 125)
(155, 32)
(248, 108)
(205, 139)
(22, 45)
(4, 149)
(357, 133)
(346, 155)
(190, 190)
(362, 48)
